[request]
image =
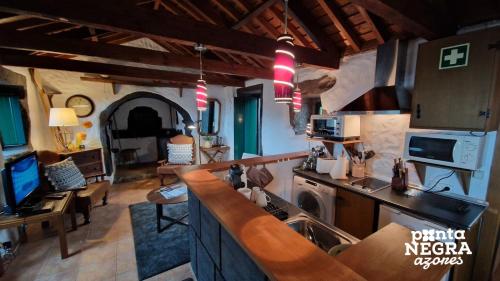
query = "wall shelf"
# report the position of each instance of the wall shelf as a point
(332, 141)
(464, 175)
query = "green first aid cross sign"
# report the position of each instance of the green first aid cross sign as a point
(454, 56)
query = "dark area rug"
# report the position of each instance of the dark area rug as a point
(158, 252)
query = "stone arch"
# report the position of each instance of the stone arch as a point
(106, 114)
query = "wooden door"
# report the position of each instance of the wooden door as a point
(354, 213)
(454, 98)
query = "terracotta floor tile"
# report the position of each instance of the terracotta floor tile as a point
(127, 276)
(106, 245)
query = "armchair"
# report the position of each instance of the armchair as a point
(166, 170)
(86, 198)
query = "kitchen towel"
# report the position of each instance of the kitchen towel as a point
(339, 168)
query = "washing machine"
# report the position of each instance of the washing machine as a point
(314, 198)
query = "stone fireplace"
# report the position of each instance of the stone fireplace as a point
(135, 130)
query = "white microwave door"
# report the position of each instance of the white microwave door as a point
(434, 150)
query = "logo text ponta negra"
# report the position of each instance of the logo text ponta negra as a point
(437, 247)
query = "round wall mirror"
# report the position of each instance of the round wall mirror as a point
(209, 120)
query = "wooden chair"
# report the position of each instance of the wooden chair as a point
(166, 170)
(86, 198)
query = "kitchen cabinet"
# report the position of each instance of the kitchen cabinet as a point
(213, 252)
(192, 250)
(194, 212)
(461, 97)
(218, 276)
(205, 266)
(236, 264)
(354, 213)
(210, 236)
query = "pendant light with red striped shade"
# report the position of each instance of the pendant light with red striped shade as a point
(201, 85)
(297, 95)
(284, 62)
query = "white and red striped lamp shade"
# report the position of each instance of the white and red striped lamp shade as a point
(201, 95)
(284, 70)
(297, 100)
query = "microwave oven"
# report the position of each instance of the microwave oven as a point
(338, 128)
(458, 151)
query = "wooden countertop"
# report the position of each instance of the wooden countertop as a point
(380, 256)
(221, 166)
(280, 252)
(283, 254)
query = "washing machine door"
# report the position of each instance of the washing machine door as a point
(311, 203)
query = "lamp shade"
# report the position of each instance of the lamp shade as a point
(201, 95)
(62, 117)
(284, 63)
(297, 100)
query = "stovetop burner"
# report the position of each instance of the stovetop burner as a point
(369, 185)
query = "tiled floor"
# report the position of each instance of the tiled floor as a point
(106, 246)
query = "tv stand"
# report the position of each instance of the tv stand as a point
(55, 216)
(39, 207)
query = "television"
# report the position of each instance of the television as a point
(21, 180)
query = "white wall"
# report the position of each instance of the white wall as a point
(11, 233)
(39, 120)
(385, 133)
(69, 83)
(277, 133)
(122, 113)
(148, 150)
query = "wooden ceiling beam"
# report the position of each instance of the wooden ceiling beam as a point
(153, 24)
(417, 17)
(378, 35)
(13, 19)
(34, 42)
(268, 26)
(226, 10)
(333, 12)
(308, 22)
(301, 39)
(208, 11)
(254, 13)
(7, 58)
(136, 82)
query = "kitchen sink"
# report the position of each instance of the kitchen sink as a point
(324, 236)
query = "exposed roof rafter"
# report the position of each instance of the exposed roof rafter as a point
(7, 58)
(149, 23)
(413, 16)
(333, 12)
(254, 13)
(34, 42)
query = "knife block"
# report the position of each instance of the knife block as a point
(399, 184)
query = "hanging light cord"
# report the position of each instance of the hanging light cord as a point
(201, 67)
(286, 15)
(297, 76)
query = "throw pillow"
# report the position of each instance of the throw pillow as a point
(180, 153)
(65, 175)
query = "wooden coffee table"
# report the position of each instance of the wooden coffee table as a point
(155, 197)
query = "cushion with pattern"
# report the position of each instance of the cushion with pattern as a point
(180, 153)
(65, 175)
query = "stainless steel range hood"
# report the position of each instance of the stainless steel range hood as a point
(388, 96)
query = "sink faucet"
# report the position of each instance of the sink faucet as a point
(312, 236)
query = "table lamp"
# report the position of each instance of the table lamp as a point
(62, 118)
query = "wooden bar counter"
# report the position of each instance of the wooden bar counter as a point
(281, 253)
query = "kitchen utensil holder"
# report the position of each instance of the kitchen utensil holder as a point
(358, 170)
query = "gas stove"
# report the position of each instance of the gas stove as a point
(369, 185)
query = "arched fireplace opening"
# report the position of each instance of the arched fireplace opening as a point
(135, 129)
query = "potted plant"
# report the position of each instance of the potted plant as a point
(207, 141)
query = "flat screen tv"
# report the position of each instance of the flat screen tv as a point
(21, 181)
